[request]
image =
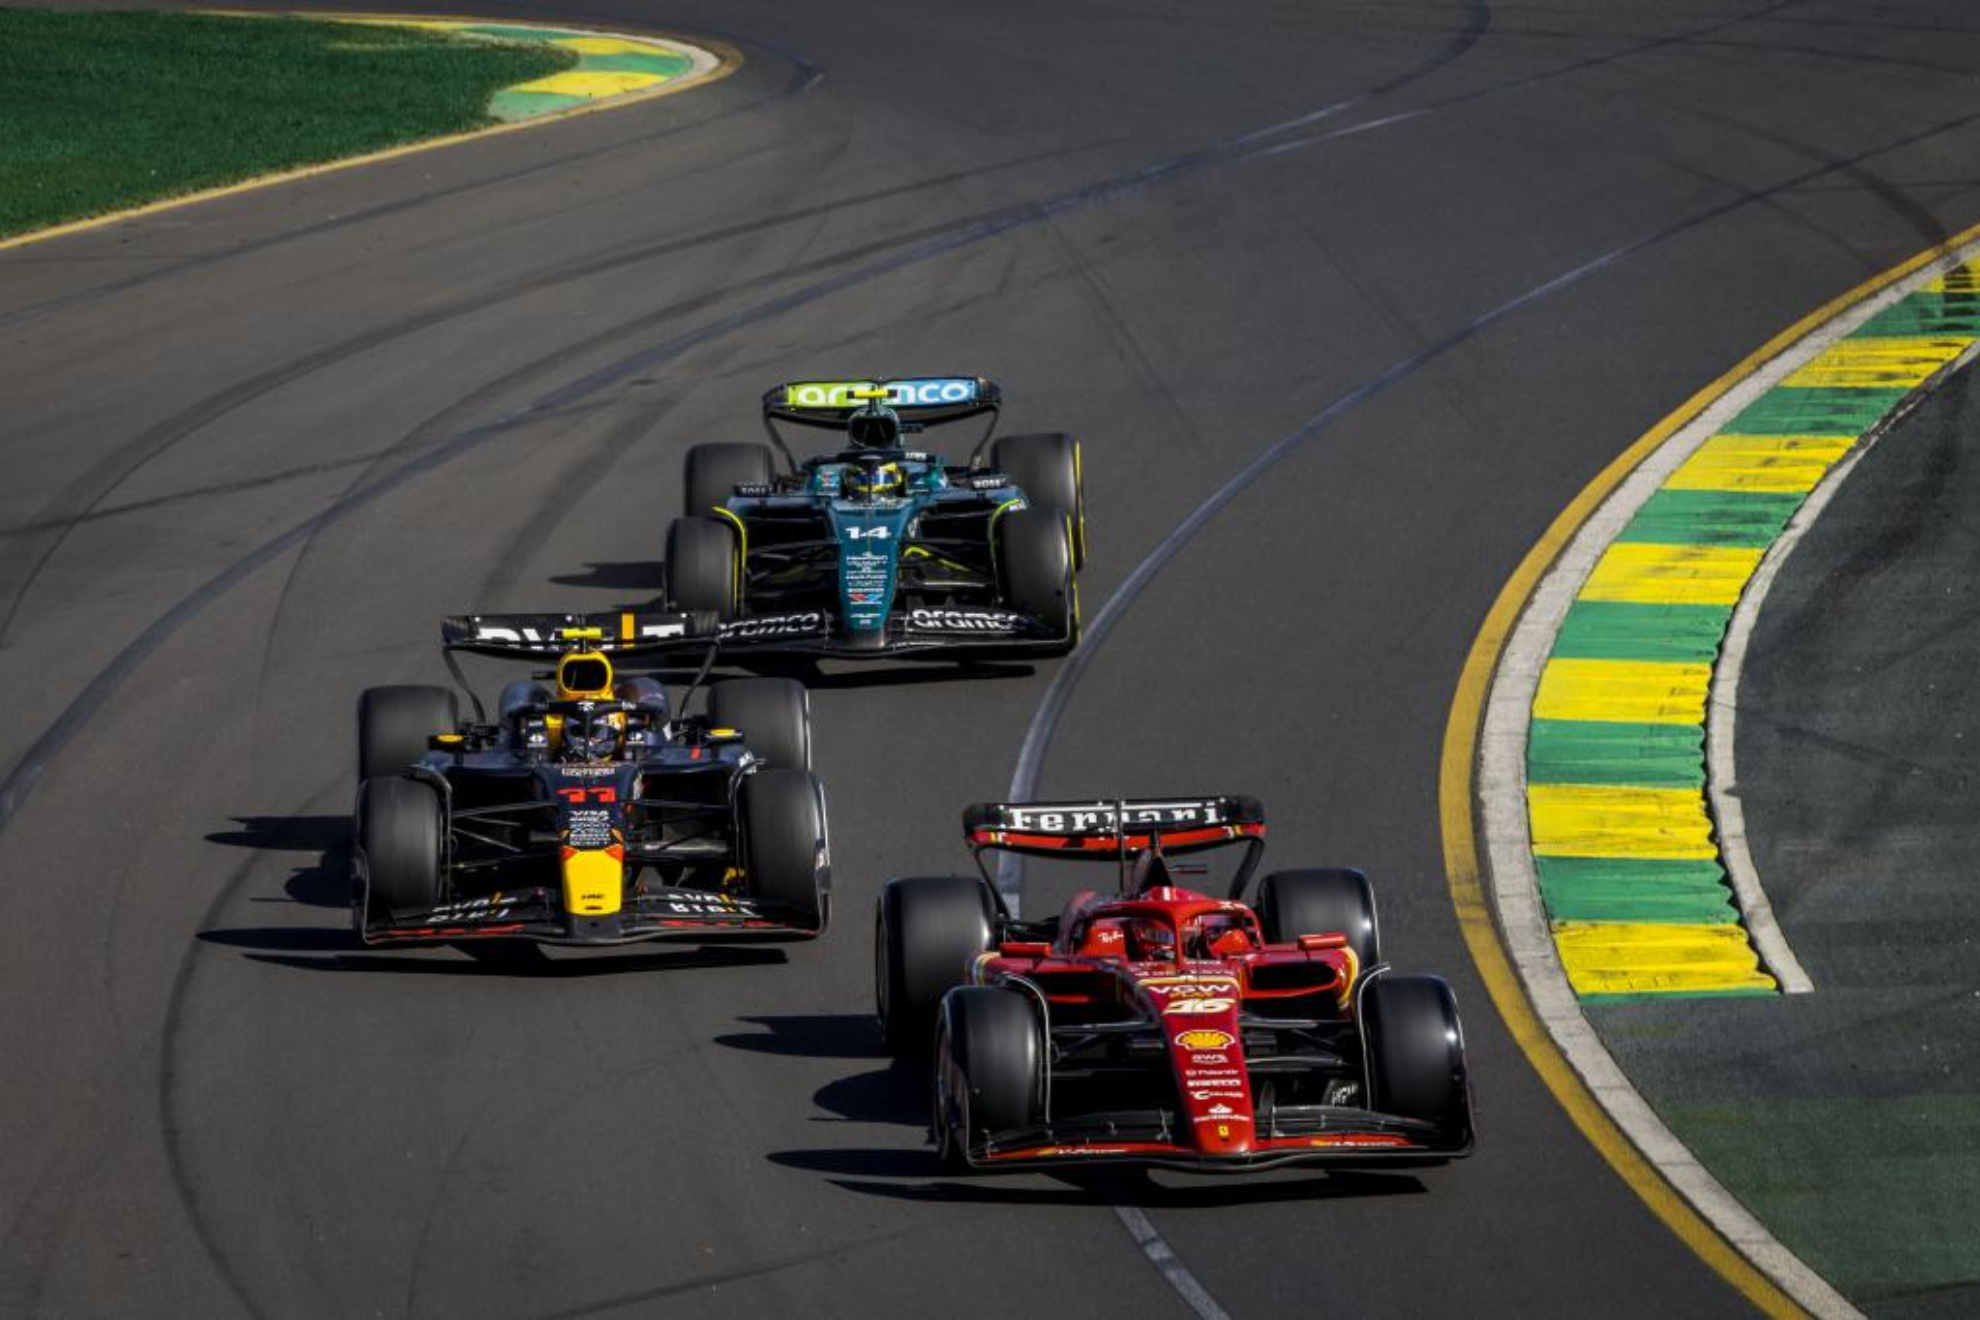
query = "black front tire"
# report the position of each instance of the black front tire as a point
(712, 473)
(785, 854)
(990, 1067)
(1034, 568)
(401, 831)
(1321, 902)
(1047, 468)
(926, 931)
(394, 724)
(702, 569)
(1415, 1048)
(772, 714)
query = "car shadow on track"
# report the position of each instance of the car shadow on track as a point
(323, 883)
(896, 1093)
(917, 1175)
(336, 949)
(848, 676)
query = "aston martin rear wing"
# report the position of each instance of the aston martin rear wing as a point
(925, 399)
(919, 401)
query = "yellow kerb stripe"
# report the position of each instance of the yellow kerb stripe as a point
(1632, 957)
(578, 83)
(1962, 278)
(1634, 691)
(609, 46)
(1671, 574)
(1577, 820)
(1788, 463)
(1881, 362)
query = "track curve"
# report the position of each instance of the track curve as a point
(256, 447)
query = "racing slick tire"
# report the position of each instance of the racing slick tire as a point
(990, 1061)
(772, 714)
(1046, 468)
(394, 724)
(1295, 903)
(784, 850)
(926, 931)
(713, 472)
(1415, 1050)
(1035, 571)
(702, 572)
(401, 832)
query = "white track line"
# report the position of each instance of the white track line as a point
(1514, 881)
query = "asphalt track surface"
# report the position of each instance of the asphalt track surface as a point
(255, 448)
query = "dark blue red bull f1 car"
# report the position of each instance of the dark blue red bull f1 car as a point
(876, 547)
(590, 809)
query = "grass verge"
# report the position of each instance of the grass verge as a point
(104, 111)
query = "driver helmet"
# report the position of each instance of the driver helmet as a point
(587, 676)
(594, 736)
(876, 426)
(887, 480)
(1149, 940)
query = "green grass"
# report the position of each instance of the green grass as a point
(100, 111)
(1875, 1193)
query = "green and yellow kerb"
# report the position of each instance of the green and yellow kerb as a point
(1623, 840)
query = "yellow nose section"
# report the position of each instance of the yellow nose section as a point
(594, 879)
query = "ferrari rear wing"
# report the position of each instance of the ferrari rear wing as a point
(1106, 830)
(1118, 831)
(622, 632)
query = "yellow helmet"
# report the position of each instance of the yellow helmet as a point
(887, 480)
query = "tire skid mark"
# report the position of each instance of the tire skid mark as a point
(171, 1040)
(80, 501)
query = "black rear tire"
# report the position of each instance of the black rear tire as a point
(1046, 467)
(926, 930)
(394, 724)
(785, 855)
(712, 473)
(1321, 902)
(990, 1066)
(772, 714)
(1415, 1045)
(401, 830)
(1034, 566)
(702, 569)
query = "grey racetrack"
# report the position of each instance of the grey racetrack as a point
(1454, 255)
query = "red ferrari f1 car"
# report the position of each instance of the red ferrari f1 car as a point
(1158, 1025)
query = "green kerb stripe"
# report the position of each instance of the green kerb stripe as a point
(1925, 314)
(1665, 996)
(1635, 889)
(510, 106)
(1826, 410)
(1712, 517)
(1613, 753)
(657, 64)
(1623, 630)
